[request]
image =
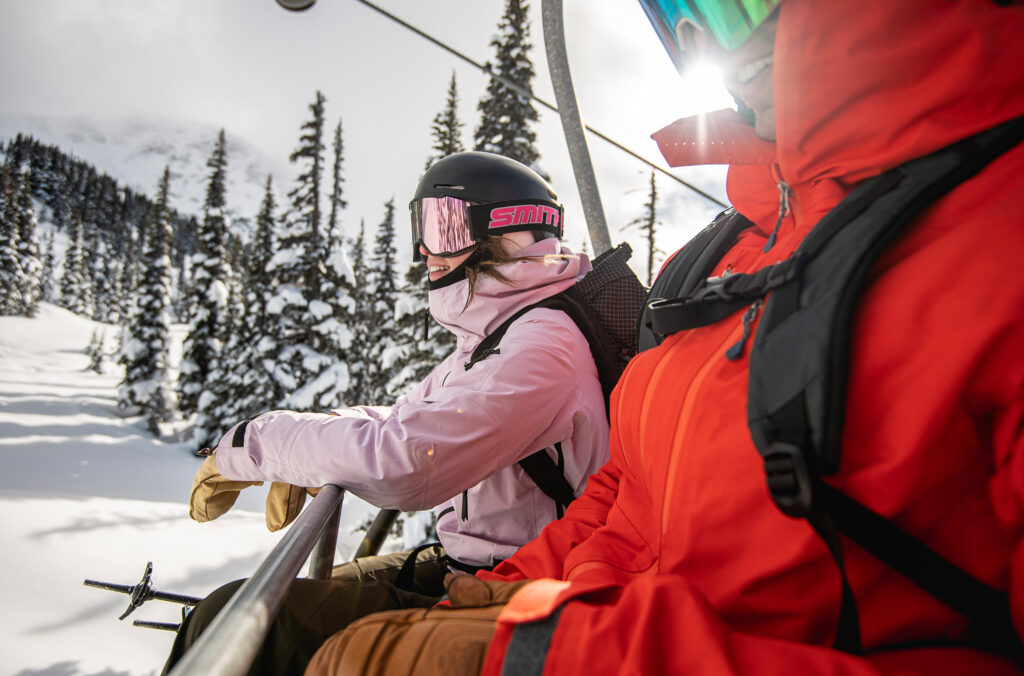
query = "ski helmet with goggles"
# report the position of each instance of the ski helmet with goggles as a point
(467, 197)
(730, 22)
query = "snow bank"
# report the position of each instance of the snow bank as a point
(86, 492)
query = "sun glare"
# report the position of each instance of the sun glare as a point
(702, 83)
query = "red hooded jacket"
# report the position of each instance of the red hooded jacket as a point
(675, 559)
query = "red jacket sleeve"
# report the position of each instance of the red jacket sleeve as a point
(544, 556)
(663, 625)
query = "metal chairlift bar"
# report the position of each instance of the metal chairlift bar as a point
(230, 643)
(572, 126)
(321, 563)
(377, 533)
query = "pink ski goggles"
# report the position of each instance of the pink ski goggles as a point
(449, 226)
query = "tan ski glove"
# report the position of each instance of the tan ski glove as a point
(213, 495)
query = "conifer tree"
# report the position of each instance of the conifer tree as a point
(648, 225)
(128, 273)
(48, 281)
(260, 388)
(358, 364)
(95, 351)
(505, 114)
(11, 274)
(144, 353)
(75, 283)
(296, 266)
(105, 289)
(28, 248)
(447, 128)
(216, 409)
(382, 296)
(416, 354)
(249, 387)
(209, 277)
(334, 329)
(94, 270)
(337, 202)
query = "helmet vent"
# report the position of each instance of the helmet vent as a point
(449, 187)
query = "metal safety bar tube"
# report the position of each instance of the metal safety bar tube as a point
(230, 643)
(321, 562)
(377, 533)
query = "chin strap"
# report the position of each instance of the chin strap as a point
(456, 274)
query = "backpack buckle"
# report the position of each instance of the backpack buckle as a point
(713, 290)
(789, 480)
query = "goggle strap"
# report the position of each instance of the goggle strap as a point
(497, 218)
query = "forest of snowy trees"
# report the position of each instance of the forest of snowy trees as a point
(302, 311)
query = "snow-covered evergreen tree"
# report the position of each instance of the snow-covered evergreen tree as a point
(129, 266)
(505, 114)
(383, 357)
(446, 129)
(75, 282)
(260, 388)
(332, 333)
(334, 313)
(216, 406)
(358, 362)
(337, 201)
(248, 369)
(146, 383)
(208, 284)
(415, 354)
(28, 248)
(94, 269)
(295, 306)
(104, 286)
(48, 277)
(11, 275)
(95, 351)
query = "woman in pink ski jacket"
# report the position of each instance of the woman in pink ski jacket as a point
(487, 228)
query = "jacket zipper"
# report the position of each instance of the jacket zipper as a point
(785, 194)
(736, 351)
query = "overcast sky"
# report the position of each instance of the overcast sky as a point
(253, 68)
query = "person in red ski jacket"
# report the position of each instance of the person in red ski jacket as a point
(676, 559)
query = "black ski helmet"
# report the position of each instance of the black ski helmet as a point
(488, 182)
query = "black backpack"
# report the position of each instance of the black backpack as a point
(605, 305)
(799, 365)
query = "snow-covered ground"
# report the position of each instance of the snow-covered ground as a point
(88, 493)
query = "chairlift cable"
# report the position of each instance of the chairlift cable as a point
(526, 92)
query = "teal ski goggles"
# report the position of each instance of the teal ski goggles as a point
(730, 22)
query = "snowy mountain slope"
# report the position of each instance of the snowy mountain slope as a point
(135, 150)
(87, 493)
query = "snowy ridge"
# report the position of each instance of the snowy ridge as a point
(135, 151)
(87, 493)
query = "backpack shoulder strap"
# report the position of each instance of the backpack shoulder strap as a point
(542, 470)
(550, 477)
(798, 377)
(799, 367)
(685, 271)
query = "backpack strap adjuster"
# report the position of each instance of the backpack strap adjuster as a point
(714, 289)
(789, 480)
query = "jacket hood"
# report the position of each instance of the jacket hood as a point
(862, 86)
(531, 278)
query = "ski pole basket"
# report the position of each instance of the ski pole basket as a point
(230, 643)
